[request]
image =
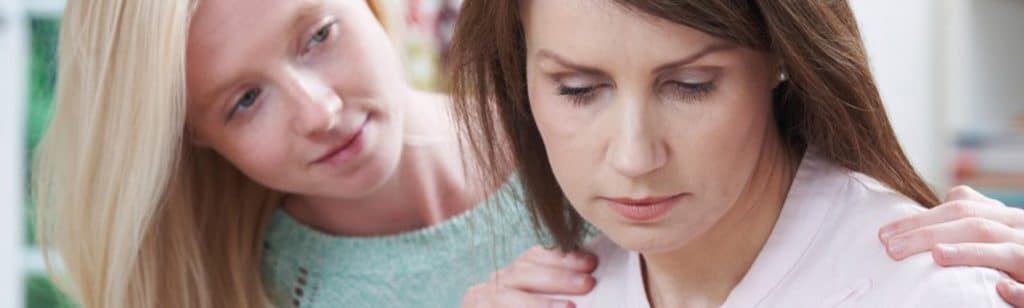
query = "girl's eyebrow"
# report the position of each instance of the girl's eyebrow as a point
(308, 10)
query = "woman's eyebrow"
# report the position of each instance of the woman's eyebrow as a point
(693, 57)
(709, 49)
(551, 55)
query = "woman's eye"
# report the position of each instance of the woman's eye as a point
(246, 101)
(570, 91)
(577, 95)
(688, 91)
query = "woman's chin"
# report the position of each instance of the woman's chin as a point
(648, 240)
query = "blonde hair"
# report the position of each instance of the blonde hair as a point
(139, 216)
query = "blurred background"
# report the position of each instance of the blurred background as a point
(950, 71)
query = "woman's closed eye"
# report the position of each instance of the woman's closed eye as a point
(579, 89)
(578, 95)
(689, 85)
(689, 92)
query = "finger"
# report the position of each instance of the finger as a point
(490, 295)
(1005, 257)
(537, 278)
(579, 261)
(1012, 292)
(964, 192)
(967, 230)
(517, 298)
(951, 211)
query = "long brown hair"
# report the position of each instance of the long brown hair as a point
(830, 100)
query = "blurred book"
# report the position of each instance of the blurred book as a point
(993, 164)
(422, 32)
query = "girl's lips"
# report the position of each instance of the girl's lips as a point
(346, 150)
(643, 209)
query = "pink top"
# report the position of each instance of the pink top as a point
(823, 252)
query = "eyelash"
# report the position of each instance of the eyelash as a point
(690, 92)
(580, 96)
(319, 37)
(250, 95)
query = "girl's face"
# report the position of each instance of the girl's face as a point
(653, 129)
(302, 96)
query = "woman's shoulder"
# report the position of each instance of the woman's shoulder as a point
(850, 198)
(606, 249)
(918, 282)
(847, 250)
(620, 281)
(862, 278)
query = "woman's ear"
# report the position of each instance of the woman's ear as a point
(779, 73)
(780, 77)
(780, 66)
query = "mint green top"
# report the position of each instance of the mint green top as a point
(430, 267)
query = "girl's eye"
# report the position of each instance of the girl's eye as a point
(245, 102)
(320, 36)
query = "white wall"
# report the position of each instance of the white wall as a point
(43, 8)
(12, 89)
(903, 43)
(986, 82)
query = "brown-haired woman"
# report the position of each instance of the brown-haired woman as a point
(732, 153)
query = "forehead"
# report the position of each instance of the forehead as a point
(217, 18)
(226, 36)
(218, 23)
(605, 32)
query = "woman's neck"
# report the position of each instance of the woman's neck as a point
(704, 272)
(428, 186)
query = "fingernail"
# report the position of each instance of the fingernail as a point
(580, 281)
(578, 260)
(897, 246)
(1014, 288)
(948, 252)
(587, 260)
(887, 232)
(1011, 288)
(560, 304)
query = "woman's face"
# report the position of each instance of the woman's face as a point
(653, 129)
(301, 96)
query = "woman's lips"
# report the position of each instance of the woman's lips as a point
(643, 209)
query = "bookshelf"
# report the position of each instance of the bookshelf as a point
(985, 89)
(952, 80)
